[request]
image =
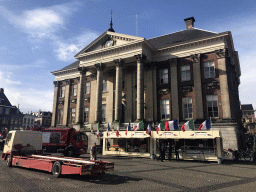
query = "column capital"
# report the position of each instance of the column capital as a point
(67, 81)
(221, 53)
(140, 57)
(82, 70)
(56, 83)
(173, 62)
(99, 66)
(118, 62)
(195, 58)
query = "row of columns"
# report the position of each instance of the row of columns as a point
(140, 89)
(118, 91)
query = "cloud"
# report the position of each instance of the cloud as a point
(41, 22)
(46, 23)
(6, 79)
(67, 49)
(30, 99)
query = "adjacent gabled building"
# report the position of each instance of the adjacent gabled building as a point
(189, 74)
(10, 116)
(248, 118)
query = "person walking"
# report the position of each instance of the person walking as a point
(93, 152)
(170, 151)
(162, 151)
(176, 146)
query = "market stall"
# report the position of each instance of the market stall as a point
(135, 143)
(191, 145)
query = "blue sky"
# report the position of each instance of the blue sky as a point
(38, 37)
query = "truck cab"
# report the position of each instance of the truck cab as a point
(65, 140)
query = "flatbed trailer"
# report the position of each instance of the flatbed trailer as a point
(59, 165)
(24, 149)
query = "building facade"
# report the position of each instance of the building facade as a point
(28, 120)
(42, 118)
(10, 116)
(118, 78)
(248, 118)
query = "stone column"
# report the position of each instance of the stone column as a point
(174, 88)
(197, 86)
(221, 56)
(55, 103)
(140, 87)
(66, 103)
(118, 94)
(98, 106)
(80, 96)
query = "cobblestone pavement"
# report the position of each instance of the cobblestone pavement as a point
(138, 174)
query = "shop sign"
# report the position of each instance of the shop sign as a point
(201, 133)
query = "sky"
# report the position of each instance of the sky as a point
(41, 36)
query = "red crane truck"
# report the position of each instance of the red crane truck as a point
(24, 149)
(68, 141)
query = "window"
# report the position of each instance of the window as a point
(25, 120)
(62, 91)
(60, 116)
(28, 121)
(32, 121)
(185, 73)
(1, 110)
(123, 84)
(209, 71)
(86, 114)
(5, 120)
(212, 105)
(163, 74)
(165, 109)
(72, 115)
(74, 89)
(87, 88)
(104, 88)
(7, 111)
(103, 113)
(187, 107)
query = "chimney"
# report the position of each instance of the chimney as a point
(1, 90)
(189, 22)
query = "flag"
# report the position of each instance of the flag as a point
(206, 125)
(128, 128)
(189, 125)
(148, 131)
(171, 125)
(117, 131)
(98, 131)
(160, 127)
(139, 127)
(108, 129)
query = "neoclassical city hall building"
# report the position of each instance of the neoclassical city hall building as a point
(118, 78)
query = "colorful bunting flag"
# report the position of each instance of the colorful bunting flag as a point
(160, 127)
(189, 125)
(139, 126)
(206, 125)
(171, 125)
(128, 128)
(148, 131)
(117, 131)
(108, 129)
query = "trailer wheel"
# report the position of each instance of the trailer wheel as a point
(56, 169)
(9, 161)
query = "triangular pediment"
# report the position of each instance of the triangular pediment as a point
(108, 39)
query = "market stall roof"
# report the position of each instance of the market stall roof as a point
(165, 134)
